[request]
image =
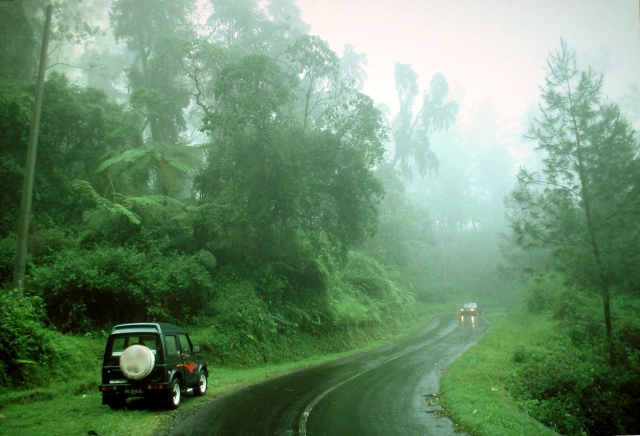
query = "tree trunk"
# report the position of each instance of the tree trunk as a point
(601, 274)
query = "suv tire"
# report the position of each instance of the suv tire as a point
(175, 394)
(136, 362)
(200, 389)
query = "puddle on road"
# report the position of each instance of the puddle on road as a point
(438, 420)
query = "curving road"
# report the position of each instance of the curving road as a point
(386, 391)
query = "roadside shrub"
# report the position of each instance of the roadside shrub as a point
(239, 325)
(294, 291)
(24, 341)
(176, 286)
(364, 273)
(580, 314)
(575, 390)
(238, 308)
(350, 307)
(45, 243)
(84, 290)
(542, 292)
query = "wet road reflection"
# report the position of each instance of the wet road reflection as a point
(379, 392)
(470, 320)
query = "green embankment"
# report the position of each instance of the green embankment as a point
(474, 388)
(72, 405)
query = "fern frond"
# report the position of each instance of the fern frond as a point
(103, 203)
(155, 200)
(85, 187)
(180, 217)
(129, 156)
(179, 164)
(133, 217)
(207, 258)
(123, 200)
(170, 179)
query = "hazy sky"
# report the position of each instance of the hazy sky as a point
(492, 52)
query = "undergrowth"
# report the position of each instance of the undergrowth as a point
(475, 388)
(70, 403)
(548, 360)
(569, 379)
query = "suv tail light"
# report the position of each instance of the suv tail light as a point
(156, 387)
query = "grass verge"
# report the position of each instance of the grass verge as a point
(474, 388)
(75, 408)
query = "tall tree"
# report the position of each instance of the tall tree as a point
(237, 23)
(21, 28)
(20, 32)
(273, 179)
(287, 12)
(147, 26)
(411, 134)
(78, 127)
(352, 66)
(319, 86)
(580, 203)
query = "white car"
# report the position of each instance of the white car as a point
(471, 309)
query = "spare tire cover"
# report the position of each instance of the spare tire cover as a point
(137, 362)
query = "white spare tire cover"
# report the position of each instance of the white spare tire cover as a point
(137, 362)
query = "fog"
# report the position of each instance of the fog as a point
(295, 178)
(494, 57)
(493, 51)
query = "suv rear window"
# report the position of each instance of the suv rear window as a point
(120, 343)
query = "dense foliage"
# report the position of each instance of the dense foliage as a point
(223, 175)
(211, 163)
(567, 381)
(24, 340)
(582, 210)
(584, 203)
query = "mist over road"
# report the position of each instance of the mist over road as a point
(379, 392)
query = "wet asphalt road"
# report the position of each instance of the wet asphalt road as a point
(379, 392)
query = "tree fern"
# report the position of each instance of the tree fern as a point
(155, 200)
(180, 164)
(128, 157)
(102, 203)
(168, 166)
(169, 178)
(207, 258)
(85, 188)
(133, 217)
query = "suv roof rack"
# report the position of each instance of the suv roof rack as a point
(157, 326)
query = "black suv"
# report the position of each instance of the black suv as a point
(155, 360)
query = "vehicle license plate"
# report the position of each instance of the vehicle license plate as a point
(132, 391)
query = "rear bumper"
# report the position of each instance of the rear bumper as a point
(132, 390)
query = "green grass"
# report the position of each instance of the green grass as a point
(74, 407)
(474, 388)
